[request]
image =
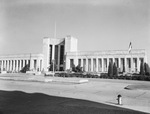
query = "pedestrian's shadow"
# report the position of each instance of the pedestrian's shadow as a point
(109, 102)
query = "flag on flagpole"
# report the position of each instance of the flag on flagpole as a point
(130, 47)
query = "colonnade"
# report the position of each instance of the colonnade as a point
(16, 65)
(101, 64)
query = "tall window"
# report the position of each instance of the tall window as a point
(50, 54)
(61, 54)
(56, 54)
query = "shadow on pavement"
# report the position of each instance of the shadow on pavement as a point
(17, 102)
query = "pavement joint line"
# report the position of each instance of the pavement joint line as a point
(140, 94)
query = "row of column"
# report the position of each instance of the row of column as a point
(17, 65)
(101, 64)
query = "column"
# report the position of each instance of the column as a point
(41, 65)
(86, 64)
(138, 64)
(38, 64)
(102, 64)
(53, 52)
(20, 64)
(5, 64)
(59, 57)
(31, 64)
(82, 63)
(131, 64)
(10, 65)
(17, 65)
(113, 60)
(107, 62)
(125, 63)
(27, 62)
(2, 65)
(23, 63)
(119, 64)
(91, 64)
(97, 65)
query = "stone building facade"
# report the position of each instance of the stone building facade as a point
(64, 53)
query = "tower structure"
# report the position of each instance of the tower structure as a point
(56, 49)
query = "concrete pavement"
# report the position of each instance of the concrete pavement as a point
(98, 90)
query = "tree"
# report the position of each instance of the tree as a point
(110, 69)
(25, 68)
(77, 68)
(73, 68)
(146, 69)
(142, 72)
(51, 67)
(115, 70)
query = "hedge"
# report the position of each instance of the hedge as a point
(104, 76)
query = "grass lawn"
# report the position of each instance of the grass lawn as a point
(16, 102)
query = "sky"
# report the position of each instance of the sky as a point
(97, 24)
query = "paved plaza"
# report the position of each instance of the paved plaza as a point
(98, 90)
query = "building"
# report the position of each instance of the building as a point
(64, 52)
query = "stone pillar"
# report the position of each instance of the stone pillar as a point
(102, 64)
(119, 64)
(38, 64)
(82, 63)
(86, 64)
(23, 63)
(125, 63)
(113, 60)
(138, 64)
(20, 64)
(58, 57)
(97, 65)
(107, 64)
(91, 64)
(6, 65)
(68, 63)
(17, 65)
(53, 52)
(131, 64)
(2, 65)
(26, 61)
(31, 64)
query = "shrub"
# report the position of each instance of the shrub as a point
(110, 69)
(142, 69)
(25, 68)
(115, 70)
(147, 69)
(51, 67)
